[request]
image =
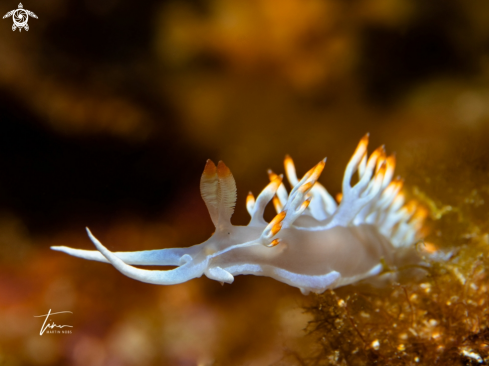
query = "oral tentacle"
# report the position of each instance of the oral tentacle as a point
(159, 257)
(187, 271)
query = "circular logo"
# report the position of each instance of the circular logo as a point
(20, 17)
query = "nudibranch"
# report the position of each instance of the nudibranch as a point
(312, 243)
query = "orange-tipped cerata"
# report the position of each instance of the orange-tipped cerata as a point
(391, 162)
(271, 174)
(362, 145)
(274, 243)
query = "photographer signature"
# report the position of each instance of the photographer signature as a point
(53, 324)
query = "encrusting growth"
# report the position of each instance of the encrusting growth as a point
(313, 243)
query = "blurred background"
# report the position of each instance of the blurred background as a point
(110, 108)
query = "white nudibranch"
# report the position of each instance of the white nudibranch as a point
(313, 243)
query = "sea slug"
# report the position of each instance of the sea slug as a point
(313, 243)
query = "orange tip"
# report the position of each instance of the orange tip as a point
(391, 161)
(276, 228)
(429, 247)
(222, 170)
(362, 145)
(278, 218)
(275, 242)
(305, 204)
(271, 174)
(306, 187)
(288, 159)
(277, 204)
(250, 199)
(210, 168)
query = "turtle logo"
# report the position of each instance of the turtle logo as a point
(20, 17)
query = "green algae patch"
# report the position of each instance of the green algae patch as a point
(440, 320)
(432, 313)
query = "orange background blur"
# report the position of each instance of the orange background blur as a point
(110, 108)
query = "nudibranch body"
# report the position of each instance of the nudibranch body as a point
(312, 243)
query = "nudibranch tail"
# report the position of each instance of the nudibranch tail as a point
(312, 243)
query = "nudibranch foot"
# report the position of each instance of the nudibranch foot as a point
(312, 243)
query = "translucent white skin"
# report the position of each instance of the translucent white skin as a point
(312, 243)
